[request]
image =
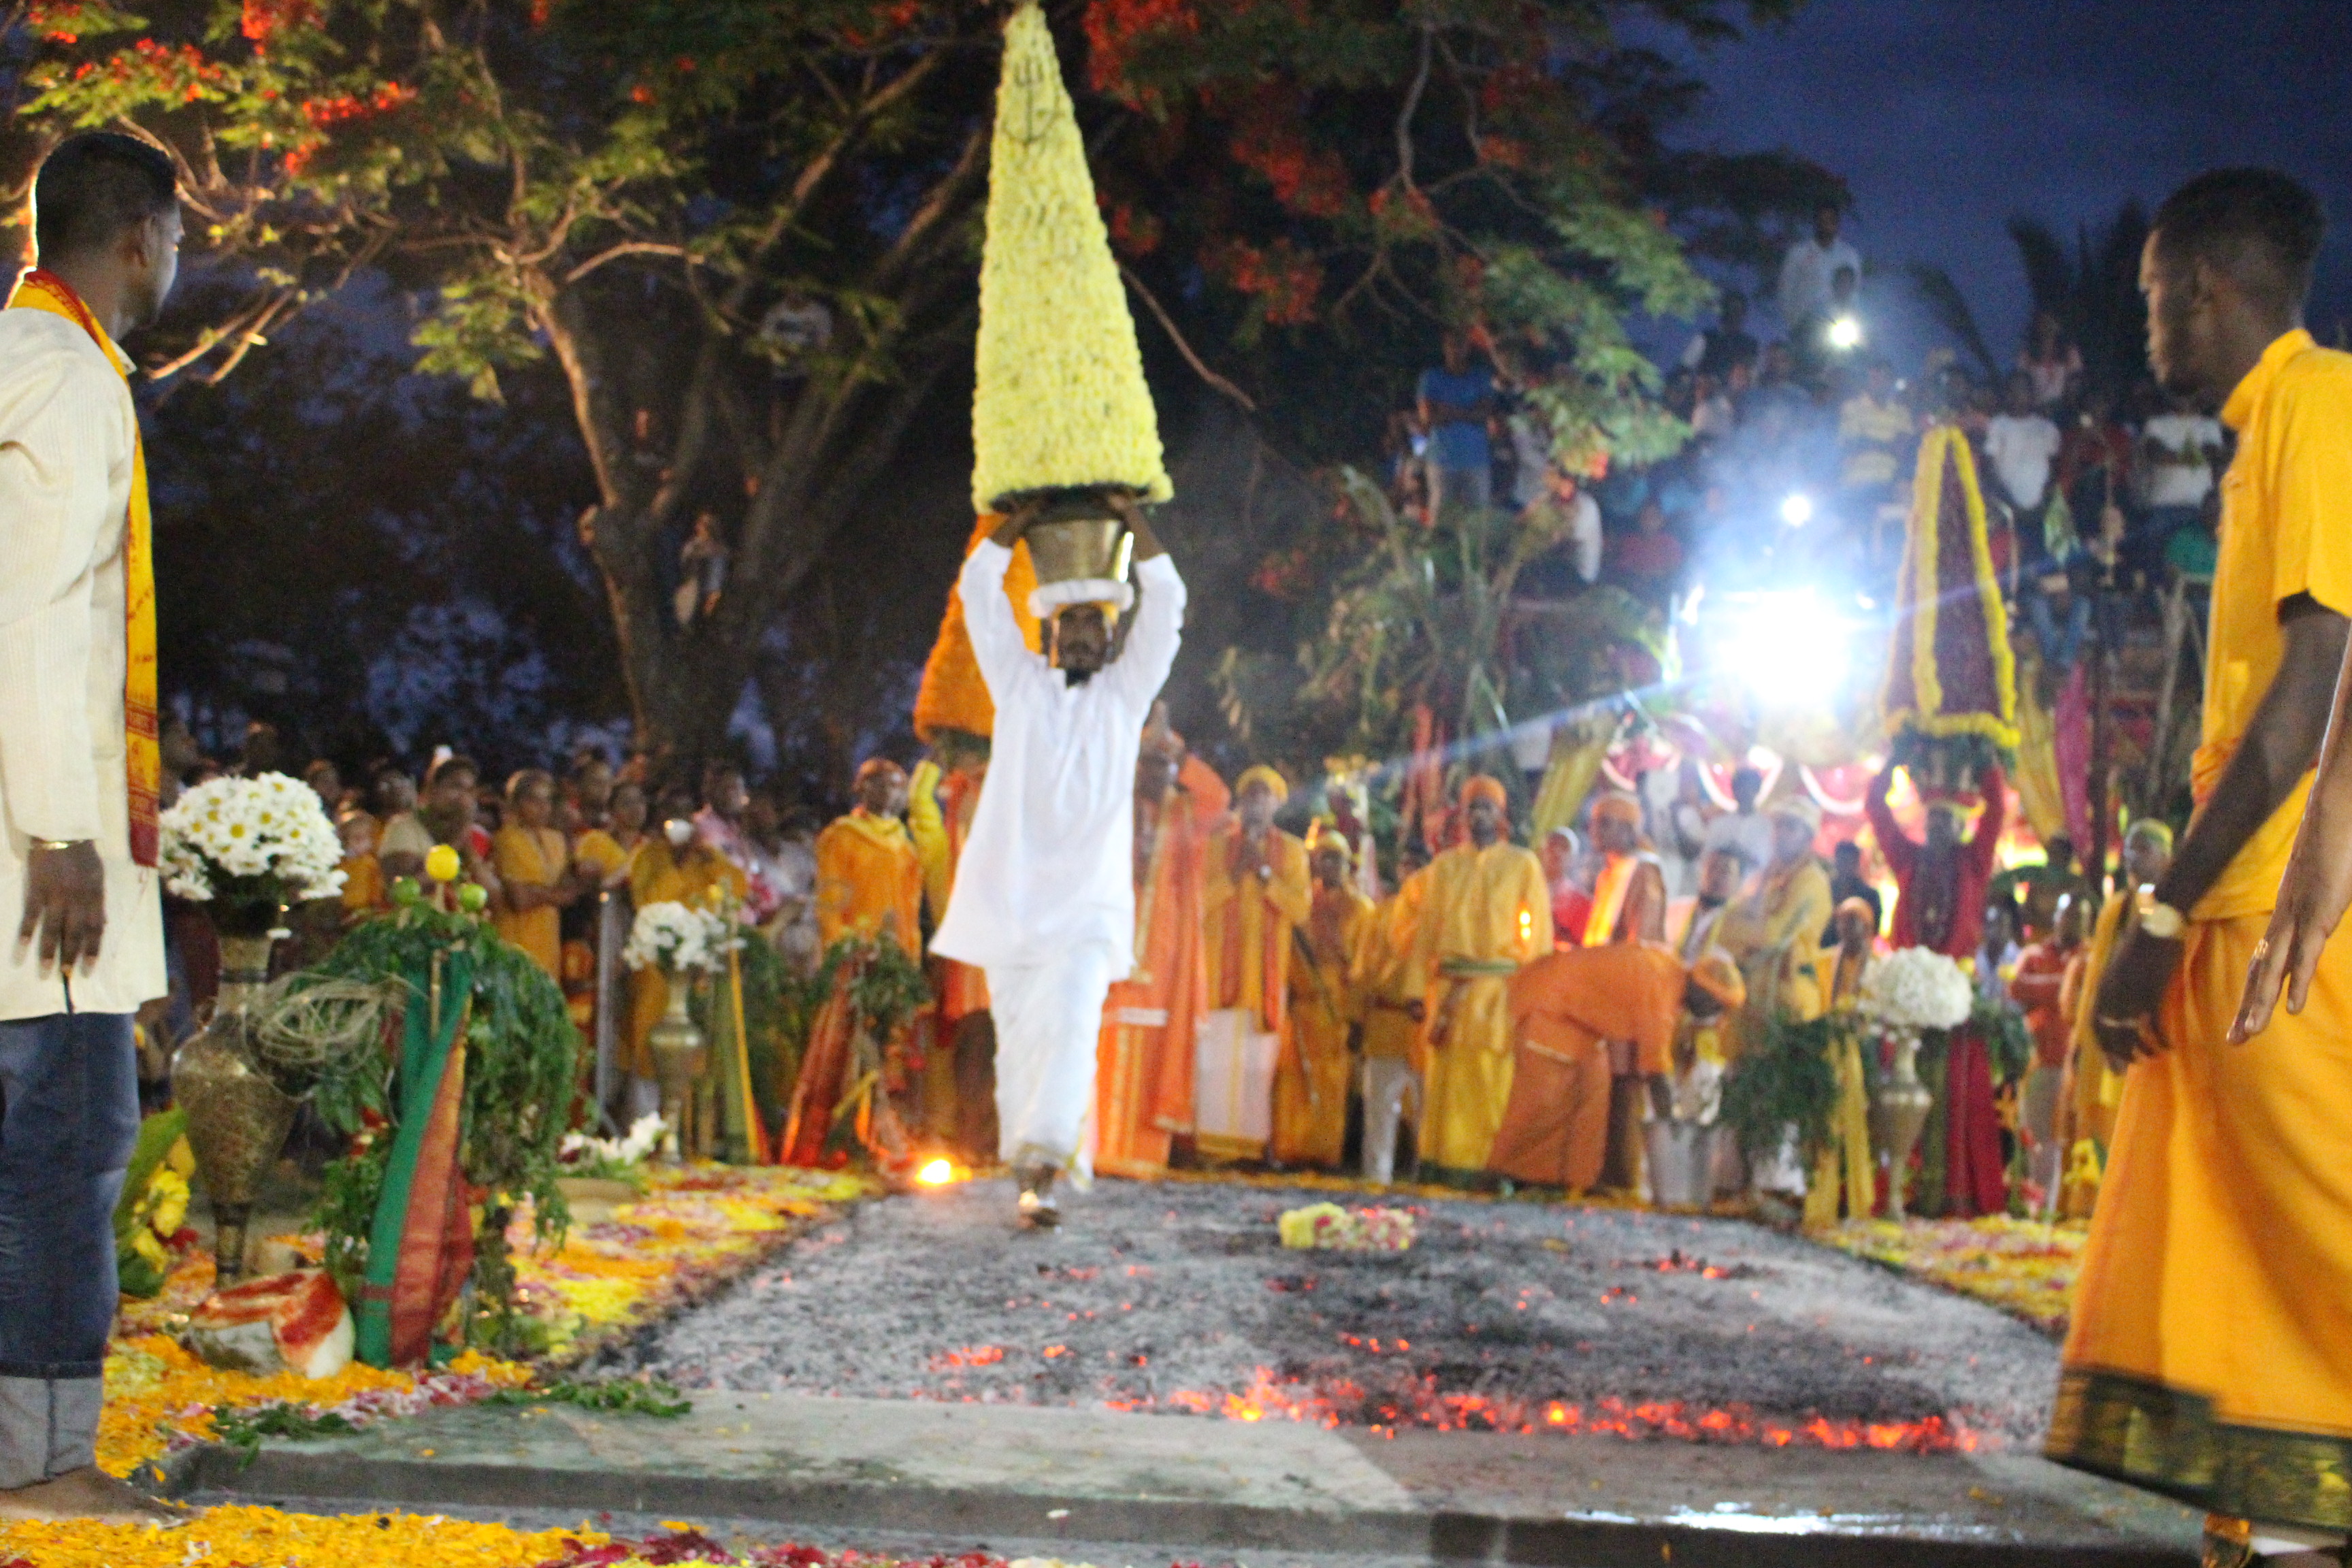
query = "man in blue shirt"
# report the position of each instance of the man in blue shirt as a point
(1455, 402)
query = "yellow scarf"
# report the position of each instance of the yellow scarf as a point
(43, 290)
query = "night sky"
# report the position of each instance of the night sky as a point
(1948, 117)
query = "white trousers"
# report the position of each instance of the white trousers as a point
(1390, 1085)
(1048, 1020)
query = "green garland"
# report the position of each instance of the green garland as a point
(2008, 1042)
(776, 1013)
(1784, 1078)
(522, 1068)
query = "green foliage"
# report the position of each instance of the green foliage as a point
(607, 1395)
(522, 1066)
(887, 992)
(241, 1428)
(1786, 1077)
(1417, 619)
(2008, 1043)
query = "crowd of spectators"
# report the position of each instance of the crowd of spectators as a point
(1799, 464)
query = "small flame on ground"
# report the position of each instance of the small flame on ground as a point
(938, 1173)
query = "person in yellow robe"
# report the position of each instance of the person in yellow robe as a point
(1486, 911)
(534, 868)
(1389, 994)
(1311, 1077)
(674, 865)
(1629, 905)
(1257, 892)
(2095, 1089)
(869, 880)
(959, 1092)
(2209, 1351)
(1775, 936)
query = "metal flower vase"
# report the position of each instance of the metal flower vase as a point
(238, 1118)
(681, 1055)
(1897, 1113)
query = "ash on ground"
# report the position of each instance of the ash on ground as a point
(1179, 1296)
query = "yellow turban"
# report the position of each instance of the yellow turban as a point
(1620, 807)
(1482, 786)
(1327, 836)
(1258, 775)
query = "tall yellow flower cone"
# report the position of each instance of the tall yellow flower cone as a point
(1061, 400)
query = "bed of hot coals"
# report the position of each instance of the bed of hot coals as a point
(1513, 1316)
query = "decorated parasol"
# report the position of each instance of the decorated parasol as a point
(1061, 416)
(1950, 697)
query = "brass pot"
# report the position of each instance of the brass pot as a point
(1077, 536)
(1897, 1113)
(680, 1055)
(237, 1119)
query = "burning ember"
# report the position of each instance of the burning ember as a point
(1343, 1403)
(937, 1173)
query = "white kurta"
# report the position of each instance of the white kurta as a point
(67, 445)
(1045, 892)
(1051, 859)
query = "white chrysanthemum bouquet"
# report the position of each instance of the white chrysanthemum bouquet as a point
(1916, 988)
(251, 845)
(675, 939)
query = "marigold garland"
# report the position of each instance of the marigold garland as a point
(2025, 1268)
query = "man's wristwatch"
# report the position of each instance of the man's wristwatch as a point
(2160, 920)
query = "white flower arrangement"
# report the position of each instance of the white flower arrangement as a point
(674, 938)
(633, 1148)
(265, 839)
(1917, 988)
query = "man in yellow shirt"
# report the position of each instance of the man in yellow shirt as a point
(1257, 893)
(2210, 1351)
(1487, 911)
(1311, 1079)
(869, 880)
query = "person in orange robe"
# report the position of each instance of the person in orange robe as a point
(1568, 1008)
(1311, 1078)
(1257, 893)
(2037, 987)
(1144, 1079)
(869, 880)
(1629, 904)
(869, 887)
(672, 865)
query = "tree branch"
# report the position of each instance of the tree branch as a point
(628, 247)
(1199, 369)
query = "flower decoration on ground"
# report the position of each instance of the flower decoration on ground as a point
(675, 939)
(1330, 1227)
(614, 1159)
(262, 840)
(2024, 1268)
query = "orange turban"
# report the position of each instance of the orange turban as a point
(1719, 977)
(1260, 774)
(1618, 805)
(1482, 786)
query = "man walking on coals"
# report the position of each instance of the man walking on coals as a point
(1045, 896)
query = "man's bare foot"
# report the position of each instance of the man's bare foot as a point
(89, 1493)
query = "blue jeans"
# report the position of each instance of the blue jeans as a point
(68, 1117)
(2058, 649)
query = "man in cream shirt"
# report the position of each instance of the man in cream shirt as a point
(1044, 895)
(89, 947)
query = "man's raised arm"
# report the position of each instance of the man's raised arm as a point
(1143, 664)
(997, 645)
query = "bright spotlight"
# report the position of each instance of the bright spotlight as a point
(1845, 332)
(1798, 510)
(938, 1173)
(1788, 647)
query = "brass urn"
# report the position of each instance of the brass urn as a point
(238, 1118)
(680, 1056)
(1897, 1113)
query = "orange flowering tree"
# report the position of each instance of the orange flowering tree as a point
(744, 236)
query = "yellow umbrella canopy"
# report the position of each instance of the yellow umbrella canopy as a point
(1061, 402)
